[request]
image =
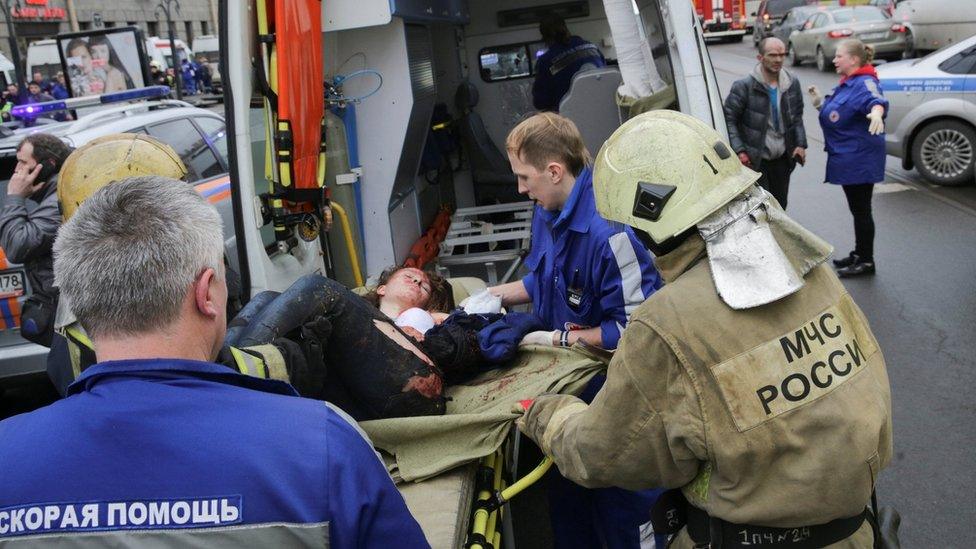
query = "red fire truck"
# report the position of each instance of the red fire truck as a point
(723, 19)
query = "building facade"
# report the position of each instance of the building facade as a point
(34, 20)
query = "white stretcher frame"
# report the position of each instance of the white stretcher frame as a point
(468, 229)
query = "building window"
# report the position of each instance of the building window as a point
(152, 27)
(189, 31)
(85, 25)
(109, 24)
(132, 24)
(204, 27)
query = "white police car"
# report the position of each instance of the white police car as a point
(196, 134)
(931, 124)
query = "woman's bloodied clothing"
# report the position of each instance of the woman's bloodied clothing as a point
(371, 369)
(340, 348)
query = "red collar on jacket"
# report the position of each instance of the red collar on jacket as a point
(865, 70)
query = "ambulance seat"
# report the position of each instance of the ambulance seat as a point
(490, 171)
(591, 103)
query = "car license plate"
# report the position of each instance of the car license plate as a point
(873, 35)
(11, 283)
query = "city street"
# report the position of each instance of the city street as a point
(922, 307)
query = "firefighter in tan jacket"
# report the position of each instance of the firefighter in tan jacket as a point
(751, 381)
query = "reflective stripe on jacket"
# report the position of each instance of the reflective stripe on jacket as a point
(584, 271)
(186, 452)
(555, 69)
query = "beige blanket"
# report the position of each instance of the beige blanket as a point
(479, 413)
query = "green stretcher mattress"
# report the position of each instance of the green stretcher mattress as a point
(479, 413)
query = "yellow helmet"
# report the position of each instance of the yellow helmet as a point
(109, 159)
(662, 172)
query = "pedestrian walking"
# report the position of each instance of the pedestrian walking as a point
(764, 114)
(852, 118)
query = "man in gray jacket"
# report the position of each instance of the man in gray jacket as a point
(27, 236)
(764, 113)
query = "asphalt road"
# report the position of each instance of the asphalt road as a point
(922, 308)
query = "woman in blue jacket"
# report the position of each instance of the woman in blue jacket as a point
(852, 118)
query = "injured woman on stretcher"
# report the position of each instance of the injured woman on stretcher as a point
(388, 353)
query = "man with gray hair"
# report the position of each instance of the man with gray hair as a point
(162, 440)
(764, 114)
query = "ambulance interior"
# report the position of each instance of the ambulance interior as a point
(424, 94)
(434, 88)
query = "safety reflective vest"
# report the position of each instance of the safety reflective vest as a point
(262, 361)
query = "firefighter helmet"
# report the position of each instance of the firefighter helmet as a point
(663, 172)
(109, 159)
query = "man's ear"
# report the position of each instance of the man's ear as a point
(381, 290)
(203, 293)
(555, 171)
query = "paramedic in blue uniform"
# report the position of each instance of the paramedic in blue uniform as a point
(156, 437)
(852, 118)
(585, 277)
(565, 56)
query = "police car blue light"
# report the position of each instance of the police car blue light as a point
(32, 110)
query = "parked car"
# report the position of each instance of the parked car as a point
(770, 13)
(197, 135)
(752, 9)
(794, 20)
(932, 24)
(817, 40)
(931, 124)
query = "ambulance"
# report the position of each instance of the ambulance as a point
(355, 127)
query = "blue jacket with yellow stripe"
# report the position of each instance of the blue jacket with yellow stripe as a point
(199, 454)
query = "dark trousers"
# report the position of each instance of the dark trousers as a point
(776, 177)
(859, 201)
(350, 361)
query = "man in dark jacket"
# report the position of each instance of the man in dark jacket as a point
(27, 236)
(764, 113)
(555, 68)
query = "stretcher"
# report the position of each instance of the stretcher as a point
(465, 507)
(291, 81)
(291, 76)
(471, 232)
(454, 471)
(444, 465)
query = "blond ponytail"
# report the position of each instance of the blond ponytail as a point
(856, 48)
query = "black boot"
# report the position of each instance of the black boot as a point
(857, 268)
(847, 261)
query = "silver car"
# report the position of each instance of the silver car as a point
(818, 38)
(197, 135)
(931, 124)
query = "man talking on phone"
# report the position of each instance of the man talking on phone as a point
(764, 113)
(26, 234)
